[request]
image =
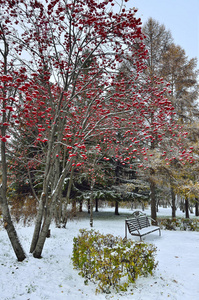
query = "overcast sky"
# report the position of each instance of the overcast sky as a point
(181, 17)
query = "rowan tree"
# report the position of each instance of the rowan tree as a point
(10, 79)
(65, 57)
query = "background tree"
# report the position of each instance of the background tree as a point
(161, 139)
(164, 57)
(157, 41)
(182, 74)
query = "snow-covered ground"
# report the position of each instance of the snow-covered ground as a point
(53, 276)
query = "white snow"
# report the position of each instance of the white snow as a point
(53, 276)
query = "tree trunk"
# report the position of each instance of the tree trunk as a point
(45, 228)
(153, 201)
(12, 234)
(116, 208)
(173, 204)
(38, 222)
(74, 207)
(80, 205)
(157, 205)
(64, 214)
(196, 208)
(186, 208)
(143, 206)
(91, 208)
(117, 182)
(50, 205)
(69, 186)
(66, 202)
(40, 237)
(59, 213)
(44, 196)
(8, 224)
(96, 205)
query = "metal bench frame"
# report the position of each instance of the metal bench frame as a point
(140, 225)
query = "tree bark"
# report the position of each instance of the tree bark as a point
(45, 228)
(64, 214)
(42, 236)
(38, 223)
(186, 207)
(173, 204)
(12, 234)
(74, 207)
(50, 205)
(91, 208)
(153, 200)
(157, 205)
(69, 186)
(116, 208)
(96, 205)
(80, 205)
(66, 202)
(8, 224)
(196, 208)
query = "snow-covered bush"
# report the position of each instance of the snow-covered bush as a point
(110, 261)
(179, 224)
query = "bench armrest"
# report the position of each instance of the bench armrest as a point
(152, 221)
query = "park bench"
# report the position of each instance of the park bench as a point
(139, 225)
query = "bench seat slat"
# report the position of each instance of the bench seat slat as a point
(148, 229)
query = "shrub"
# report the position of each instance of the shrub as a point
(110, 261)
(23, 208)
(179, 224)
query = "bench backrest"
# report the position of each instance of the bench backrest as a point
(132, 224)
(137, 223)
(143, 222)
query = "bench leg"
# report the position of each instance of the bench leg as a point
(125, 231)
